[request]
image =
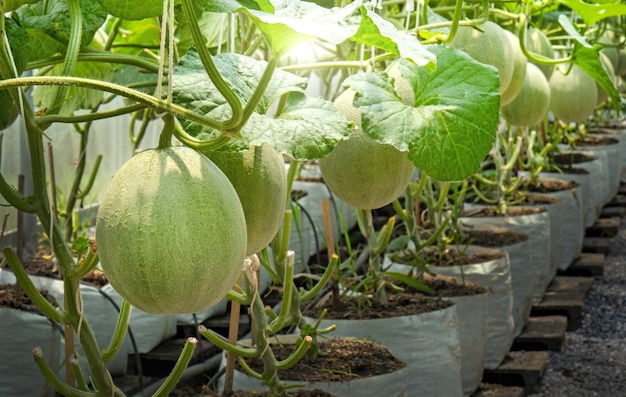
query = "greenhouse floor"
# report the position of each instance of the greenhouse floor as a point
(592, 360)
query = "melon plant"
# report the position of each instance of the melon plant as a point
(519, 69)
(538, 42)
(531, 104)
(487, 44)
(573, 95)
(258, 175)
(361, 171)
(171, 232)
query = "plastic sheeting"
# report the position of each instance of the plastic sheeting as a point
(598, 187)
(394, 384)
(102, 316)
(537, 227)
(495, 275)
(429, 343)
(21, 332)
(521, 280)
(555, 213)
(572, 228)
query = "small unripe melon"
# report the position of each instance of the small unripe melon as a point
(171, 232)
(538, 42)
(531, 104)
(258, 175)
(365, 173)
(572, 96)
(608, 66)
(519, 69)
(487, 44)
(401, 85)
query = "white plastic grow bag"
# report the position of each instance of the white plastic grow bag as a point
(429, 343)
(21, 332)
(537, 227)
(495, 275)
(394, 384)
(102, 316)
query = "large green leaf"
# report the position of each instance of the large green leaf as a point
(12, 5)
(308, 128)
(374, 31)
(20, 43)
(589, 60)
(592, 13)
(133, 10)
(52, 17)
(294, 22)
(195, 91)
(453, 124)
(77, 98)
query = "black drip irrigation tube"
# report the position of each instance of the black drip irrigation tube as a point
(130, 334)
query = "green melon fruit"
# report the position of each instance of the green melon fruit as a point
(531, 105)
(609, 44)
(486, 44)
(519, 69)
(365, 173)
(572, 96)
(401, 85)
(610, 70)
(171, 232)
(538, 42)
(258, 175)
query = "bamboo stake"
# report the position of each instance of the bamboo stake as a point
(233, 334)
(20, 239)
(330, 248)
(53, 183)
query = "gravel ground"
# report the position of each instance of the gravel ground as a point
(593, 360)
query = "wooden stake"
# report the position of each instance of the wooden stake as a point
(330, 249)
(20, 239)
(53, 184)
(233, 335)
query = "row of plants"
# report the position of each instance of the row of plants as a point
(437, 112)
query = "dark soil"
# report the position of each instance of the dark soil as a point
(494, 238)
(9, 298)
(400, 304)
(569, 159)
(512, 211)
(41, 264)
(551, 185)
(342, 359)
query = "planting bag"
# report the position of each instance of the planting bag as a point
(428, 342)
(600, 175)
(102, 316)
(495, 275)
(572, 230)
(537, 227)
(21, 332)
(394, 384)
